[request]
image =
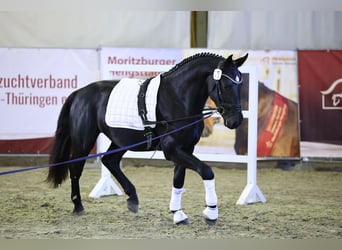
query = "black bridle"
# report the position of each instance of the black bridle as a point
(223, 106)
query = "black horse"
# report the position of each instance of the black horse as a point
(181, 97)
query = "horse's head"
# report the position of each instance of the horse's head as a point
(225, 86)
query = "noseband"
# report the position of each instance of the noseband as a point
(223, 107)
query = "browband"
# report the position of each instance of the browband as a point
(217, 75)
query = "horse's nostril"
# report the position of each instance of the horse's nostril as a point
(233, 122)
(228, 124)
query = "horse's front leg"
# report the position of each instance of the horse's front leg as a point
(184, 158)
(179, 217)
(211, 211)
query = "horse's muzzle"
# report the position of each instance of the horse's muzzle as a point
(233, 121)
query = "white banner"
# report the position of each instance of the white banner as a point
(140, 63)
(34, 84)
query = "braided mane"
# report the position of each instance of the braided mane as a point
(190, 59)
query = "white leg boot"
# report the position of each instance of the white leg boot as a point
(211, 211)
(179, 217)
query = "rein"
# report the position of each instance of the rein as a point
(203, 117)
(148, 130)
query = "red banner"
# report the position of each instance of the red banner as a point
(24, 146)
(320, 95)
(274, 125)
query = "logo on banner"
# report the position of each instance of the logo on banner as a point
(332, 97)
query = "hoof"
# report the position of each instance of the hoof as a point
(183, 222)
(210, 215)
(132, 206)
(210, 222)
(180, 218)
(79, 212)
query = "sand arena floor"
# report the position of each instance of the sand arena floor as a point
(301, 204)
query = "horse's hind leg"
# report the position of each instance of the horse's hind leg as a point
(81, 148)
(75, 175)
(112, 162)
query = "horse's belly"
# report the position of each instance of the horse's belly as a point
(134, 140)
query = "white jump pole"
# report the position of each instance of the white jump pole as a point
(106, 185)
(252, 193)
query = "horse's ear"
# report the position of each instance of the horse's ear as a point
(238, 62)
(229, 60)
(226, 63)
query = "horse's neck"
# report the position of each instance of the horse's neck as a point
(199, 68)
(189, 83)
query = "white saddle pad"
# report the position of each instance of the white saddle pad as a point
(122, 106)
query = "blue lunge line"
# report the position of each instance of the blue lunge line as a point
(108, 152)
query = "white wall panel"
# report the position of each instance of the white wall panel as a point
(162, 29)
(275, 30)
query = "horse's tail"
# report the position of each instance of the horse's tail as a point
(62, 146)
